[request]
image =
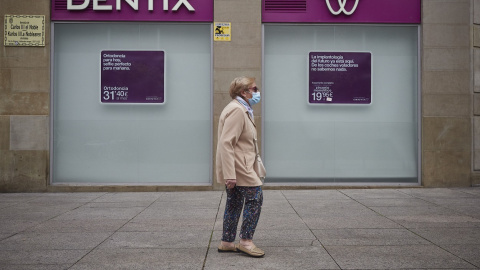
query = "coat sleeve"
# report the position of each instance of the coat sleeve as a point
(232, 129)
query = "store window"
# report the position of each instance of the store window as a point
(335, 143)
(100, 143)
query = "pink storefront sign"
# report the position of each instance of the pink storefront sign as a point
(342, 11)
(133, 10)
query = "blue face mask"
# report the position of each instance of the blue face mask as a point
(255, 98)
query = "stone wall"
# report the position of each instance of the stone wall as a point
(446, 93)
(476, 92)
(450, 56)
(24, 105)
(241, 56)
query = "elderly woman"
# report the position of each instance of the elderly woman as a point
(235, 157)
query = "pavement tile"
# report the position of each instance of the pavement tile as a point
(411, 228)
(40, 257)
(144, 224)
(166, 239)
(128, 258)
(146, 197)
(4, 205)
(430, 210)
(314, 195)
(127, 204)
(278, 258)
(472, 191)
(470, 253)
(455, 236)
(395, 257)
(5, 235)
(174, 213)
(466, 206)
(190, 196)
(189, 204)
(466, 210)
(273, 210)
(431, 221)
(272, 195)
(312, 205)
(335, 212)
(407, 202)
(53, 241)
(92, 213)
(375, 194)
(350, 222)
(449, 202)
(35, 213)
(36, 267)
(368, 237)
(18, 197)
(59, 198)
(48, 206)
(78, 226)
(426, 193)
(275, 207)
(16, 225)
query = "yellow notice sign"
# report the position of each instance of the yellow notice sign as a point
(222, 31)
(24, 30)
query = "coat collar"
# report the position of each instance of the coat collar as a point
(236, 102)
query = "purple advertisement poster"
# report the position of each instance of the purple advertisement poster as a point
(132, 77)
(340, 78)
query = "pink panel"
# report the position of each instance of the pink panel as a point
(203, 11)
(323, 11)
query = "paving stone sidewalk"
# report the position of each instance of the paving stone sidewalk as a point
(411, 228)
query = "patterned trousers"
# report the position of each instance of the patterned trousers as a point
(253, 198)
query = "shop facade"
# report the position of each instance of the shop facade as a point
(126, 95)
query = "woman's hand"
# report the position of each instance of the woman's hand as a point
(230, 183)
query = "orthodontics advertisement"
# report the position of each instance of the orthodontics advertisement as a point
(132, 77)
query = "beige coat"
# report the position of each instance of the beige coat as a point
(236, 148)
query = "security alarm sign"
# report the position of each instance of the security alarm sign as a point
(340, 78)
(132, 77)
(222, 31)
